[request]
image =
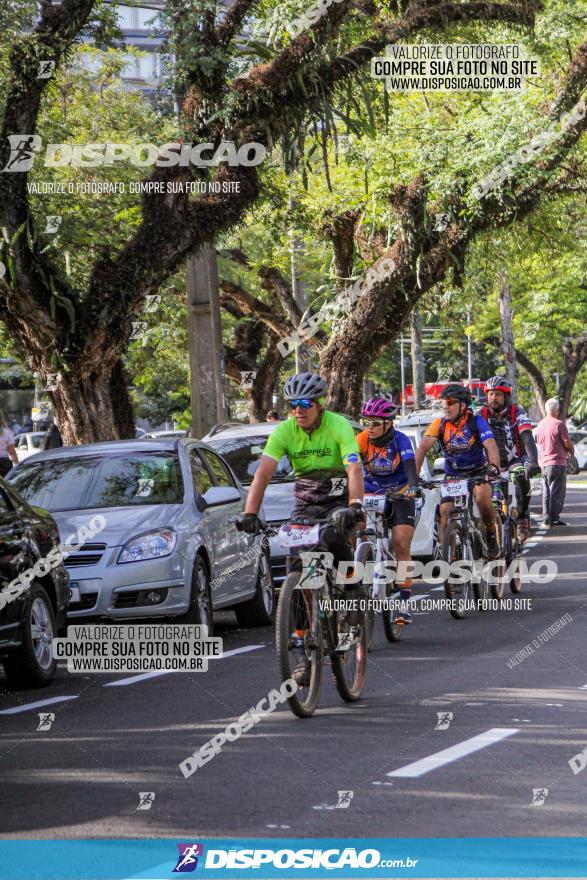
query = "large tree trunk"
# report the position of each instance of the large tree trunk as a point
(575, 353)
(508, 348)
(264, 385)
(95, 406)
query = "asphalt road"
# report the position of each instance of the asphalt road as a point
(82, 777)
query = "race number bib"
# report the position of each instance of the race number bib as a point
(374, 503)
(455, 489)
(298, 536)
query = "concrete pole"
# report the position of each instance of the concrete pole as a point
(418, 365)
(303, 361)
(205, 341)
(469, 350)
(403, 369)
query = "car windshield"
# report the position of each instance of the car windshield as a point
(243, 455)
(101, 481)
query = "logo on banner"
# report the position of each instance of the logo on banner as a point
(247, 379)
(46, 719)
(444, 719)
(344, 799)
(315, 567)
(146, 799)
(337, 486)
(187, 860)
(539, 795)
(22, 151)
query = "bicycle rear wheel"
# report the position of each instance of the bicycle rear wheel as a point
(454, 549)
(349, 667)
(299, 644)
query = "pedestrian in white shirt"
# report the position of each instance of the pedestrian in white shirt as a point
(7, 450)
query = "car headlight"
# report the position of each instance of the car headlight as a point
(150, 545)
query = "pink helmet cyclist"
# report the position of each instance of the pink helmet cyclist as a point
(379, 408)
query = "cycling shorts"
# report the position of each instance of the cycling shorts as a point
(402, 512)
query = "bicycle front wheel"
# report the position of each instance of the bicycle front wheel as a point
(349, 667)
(299, 644)
(454, 549)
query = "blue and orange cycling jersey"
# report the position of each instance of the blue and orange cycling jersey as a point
(462, 447)
(383, 466)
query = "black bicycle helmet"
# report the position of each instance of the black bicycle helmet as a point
(459, 392)
(309, 385)
(498, 383)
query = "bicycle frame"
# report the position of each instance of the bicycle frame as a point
(322, 599)
(462, 510)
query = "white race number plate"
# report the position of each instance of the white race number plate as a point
(455, 488)
(374, 503)
(298, 536)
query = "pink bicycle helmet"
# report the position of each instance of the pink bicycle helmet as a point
(379, 408)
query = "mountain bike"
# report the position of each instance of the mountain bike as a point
(464, 540)
(504, 502)
(314, 622)
(377, 549)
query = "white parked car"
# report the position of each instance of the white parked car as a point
(28, 444)
(242, 447)
(579, 440)
(163, 435)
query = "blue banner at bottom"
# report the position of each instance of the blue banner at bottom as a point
(227, 858)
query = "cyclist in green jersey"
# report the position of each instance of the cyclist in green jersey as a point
(324, 454)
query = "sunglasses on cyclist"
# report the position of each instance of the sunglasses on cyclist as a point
(304, 402)
(450, 401)
(372, 423)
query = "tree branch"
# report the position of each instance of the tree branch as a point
(273, 281)
(233, 21)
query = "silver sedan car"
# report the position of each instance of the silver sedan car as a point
(168, 545)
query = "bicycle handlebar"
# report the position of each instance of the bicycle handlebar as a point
(263, 526)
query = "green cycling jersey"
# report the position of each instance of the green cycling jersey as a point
(330, 448)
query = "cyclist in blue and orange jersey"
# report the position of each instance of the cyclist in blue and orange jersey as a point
(389, 463)
(512, 430)
(469, 450)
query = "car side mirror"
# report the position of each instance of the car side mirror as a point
(216, 495)
(438, 467)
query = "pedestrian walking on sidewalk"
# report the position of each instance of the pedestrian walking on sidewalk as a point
(555, 445)
(7, 450)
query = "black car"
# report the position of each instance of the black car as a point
(30, 616)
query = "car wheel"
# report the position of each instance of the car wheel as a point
(200, 610)
(260, 610)
(33, 664)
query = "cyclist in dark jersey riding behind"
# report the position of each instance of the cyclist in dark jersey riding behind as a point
(465, 439)
(388, 463)
(512, 430)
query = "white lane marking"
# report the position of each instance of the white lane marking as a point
(28, 706)
(134, 679)
(460, 750)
